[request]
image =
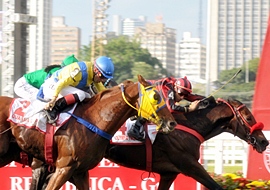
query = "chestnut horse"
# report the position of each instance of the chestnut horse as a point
(179, 151)
(78, 148)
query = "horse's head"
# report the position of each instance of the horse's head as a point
(153, 107)
(244, 125)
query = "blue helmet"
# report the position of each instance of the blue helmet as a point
(105, 66)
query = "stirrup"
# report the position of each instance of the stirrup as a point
(51, 120)
(135, 134)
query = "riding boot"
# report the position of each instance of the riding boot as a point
(136, 131)
(60, 105)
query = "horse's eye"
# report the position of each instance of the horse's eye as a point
(249, 118)
(157, 97)
(154, 98)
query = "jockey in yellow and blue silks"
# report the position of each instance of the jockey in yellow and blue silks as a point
(69, 84)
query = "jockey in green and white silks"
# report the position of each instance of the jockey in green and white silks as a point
(71, 81)
(28, 85)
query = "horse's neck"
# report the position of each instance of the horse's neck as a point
(219, 117)
(98, 110)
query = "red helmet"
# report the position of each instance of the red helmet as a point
(183, 85)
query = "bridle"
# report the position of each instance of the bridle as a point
(147, 109)
(239, 116)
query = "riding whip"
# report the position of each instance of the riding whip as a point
(225, 83)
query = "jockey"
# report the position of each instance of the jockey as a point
(28, 85)
(69, 83)
(173, 91)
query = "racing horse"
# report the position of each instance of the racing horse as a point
(78, 148)
(179, 151)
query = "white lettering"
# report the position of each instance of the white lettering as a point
(93, 183)
(101, 181)
(18, 183)
(105, 163)
(69, 186)
(145, 185)
(118, 184)
(12, 165)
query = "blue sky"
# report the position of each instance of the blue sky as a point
(181, 15)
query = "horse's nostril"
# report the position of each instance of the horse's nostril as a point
(173, 124)
(265, 143)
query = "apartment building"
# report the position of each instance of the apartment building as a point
(129, 25)
(236, 31)
(191, 58)
(65, 40)
(160, 42)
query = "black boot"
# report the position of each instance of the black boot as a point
(60, 105)
(136, 130)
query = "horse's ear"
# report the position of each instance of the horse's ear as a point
(142, 81)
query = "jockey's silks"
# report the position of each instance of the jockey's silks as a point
(78, 75)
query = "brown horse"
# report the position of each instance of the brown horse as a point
(179, 151)
(78, 148)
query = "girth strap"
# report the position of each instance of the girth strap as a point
(148, 148)
(49, 144)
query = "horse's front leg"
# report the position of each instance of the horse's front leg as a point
(40, 173)
(81, 181)
(61, 176)
(197, 172)
(166, 180)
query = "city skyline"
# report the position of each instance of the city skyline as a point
(177, 14)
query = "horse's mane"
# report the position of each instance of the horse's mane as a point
(202, 117)
(107, 93)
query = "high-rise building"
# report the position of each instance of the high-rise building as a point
(191, 58)
(65, 40)
(129, 25)
(1, 40)
(117, 25)
(18, 21)
(40, 34)
(160, 42)
(236, 31)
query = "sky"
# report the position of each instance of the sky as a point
(181, 15)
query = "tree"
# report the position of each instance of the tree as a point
(143, 69)
(128, 56)
(237, 88)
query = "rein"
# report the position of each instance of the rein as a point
(146, 109)
(238, 115)
(190, 131)
(1, 133)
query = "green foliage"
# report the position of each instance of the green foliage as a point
(129, 59)
(238, 88)
(143, 69)
(85, 53)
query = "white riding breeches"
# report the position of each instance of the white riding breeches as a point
(49, 89)
(24, 90)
